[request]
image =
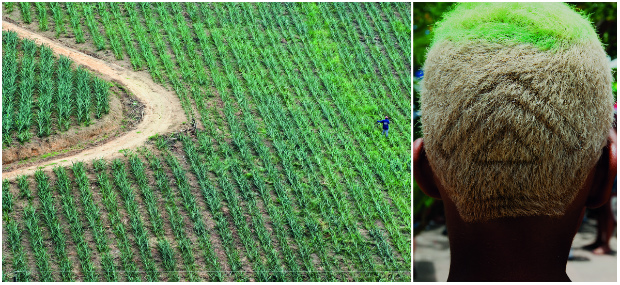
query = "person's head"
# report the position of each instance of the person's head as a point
(516, 108)
(386, 117)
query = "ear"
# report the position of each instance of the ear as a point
(605, 174)
(422, 171)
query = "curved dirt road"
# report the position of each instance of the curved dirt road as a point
(162, 112)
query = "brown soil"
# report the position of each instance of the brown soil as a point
(162, 112)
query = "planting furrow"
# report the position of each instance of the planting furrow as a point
(59, 18)
(118, 227)
(51, 221)
(177, 224)
(92, 215)
(77, 230)
(140, 233)
(46, 91)
(243, 229)
(76, 25)
(41, 15)
(36, 235)
(21, 272)
(24, 7)
(126, 36)
(214, 206)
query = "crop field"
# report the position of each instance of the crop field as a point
(274, 169)
(58, 89)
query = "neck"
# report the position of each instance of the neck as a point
(512, 254)
(510, 249)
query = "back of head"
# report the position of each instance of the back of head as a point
(516, 107)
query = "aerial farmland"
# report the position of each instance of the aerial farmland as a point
(206, 141)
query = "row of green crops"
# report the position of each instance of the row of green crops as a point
(108, 196)
(10, 224)
(95, 223)
(42, 93)
(52, 223)
(36, 235)
(289, 178)
(177, 225)
(77, 230)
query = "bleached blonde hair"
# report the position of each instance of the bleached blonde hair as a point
(512, 128)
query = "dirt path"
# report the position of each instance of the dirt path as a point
(162, 112)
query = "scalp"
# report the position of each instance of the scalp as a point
(512, 129)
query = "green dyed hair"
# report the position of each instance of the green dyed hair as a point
(544, 25)
(516, 107)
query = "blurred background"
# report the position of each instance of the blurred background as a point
(431, 246)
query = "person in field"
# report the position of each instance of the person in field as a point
(516, 111)
(386, 125)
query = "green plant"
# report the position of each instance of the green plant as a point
(59, 21)
(9, 84)
(74, 19)
(52, 222)
(83, 95)
(127, 195)
(25, 9)
(76, 228)
(41, 15)
(26, 90)
(93, 217)
(118, 228)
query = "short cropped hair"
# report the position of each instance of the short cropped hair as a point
(516, 106)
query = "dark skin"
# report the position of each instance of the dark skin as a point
(516, 249)
(605, 224)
